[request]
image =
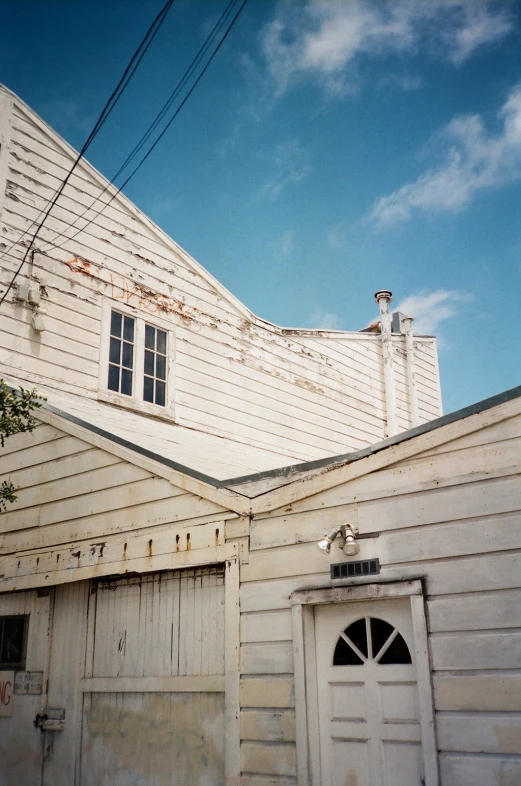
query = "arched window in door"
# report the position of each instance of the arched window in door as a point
(370, 639)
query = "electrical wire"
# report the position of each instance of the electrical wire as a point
(109, 106)
(116, 94)
(152, 127)
(188, 73)
(106, 111)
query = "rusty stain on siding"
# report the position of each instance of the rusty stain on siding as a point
(130, 292)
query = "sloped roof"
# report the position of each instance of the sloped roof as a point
(222, 462)
(280, 476)
(208, 457)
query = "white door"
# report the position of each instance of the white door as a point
(367, 694)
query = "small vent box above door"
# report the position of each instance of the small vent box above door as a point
(364, 567)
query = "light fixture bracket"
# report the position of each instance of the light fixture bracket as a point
(348, 534)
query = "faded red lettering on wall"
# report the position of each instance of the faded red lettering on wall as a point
(6, 693)
(130, 292)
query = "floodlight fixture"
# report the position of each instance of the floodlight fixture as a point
(348, 533)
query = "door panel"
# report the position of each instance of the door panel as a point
(153, 712)
(402, 763)
(66, 668)
(368, 699)
(350, 762)
(153, 739)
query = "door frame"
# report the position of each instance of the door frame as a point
(303, 604)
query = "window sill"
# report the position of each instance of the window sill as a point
(141, 407)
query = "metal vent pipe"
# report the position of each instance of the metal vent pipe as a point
(411, 370)
(383, 297)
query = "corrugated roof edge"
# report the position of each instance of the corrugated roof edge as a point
(347, 458)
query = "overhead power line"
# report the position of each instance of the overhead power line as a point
(196, 62)
(217, 29)
(106, 111)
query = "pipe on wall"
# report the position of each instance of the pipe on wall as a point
(383, 297)
(411, 371)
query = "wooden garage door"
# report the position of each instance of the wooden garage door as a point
(154, 692)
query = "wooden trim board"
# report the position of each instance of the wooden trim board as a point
(306, 697)
(200, 684)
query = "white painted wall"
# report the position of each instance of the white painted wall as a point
(449, 514)
(309, 394)
(446, 505)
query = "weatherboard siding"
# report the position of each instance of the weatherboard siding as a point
(313, 395)
(83, 511)
(450, 515)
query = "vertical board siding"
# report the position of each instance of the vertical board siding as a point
(66, 668)
(166, 624)
(158, 625)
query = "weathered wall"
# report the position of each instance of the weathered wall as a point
(316, 394)
(451, 515)
(83, 511)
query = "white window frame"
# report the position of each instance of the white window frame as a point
(135, 401)
(303, 603)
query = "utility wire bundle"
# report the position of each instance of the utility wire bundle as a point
(152, 136)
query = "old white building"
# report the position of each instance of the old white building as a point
(165, 615)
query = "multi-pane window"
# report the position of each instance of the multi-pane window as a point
(121, 353)
(154, 384)
(13, 635)
(135, 360)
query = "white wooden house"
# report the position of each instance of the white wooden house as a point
(165, 615)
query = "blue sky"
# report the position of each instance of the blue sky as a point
(331, 149)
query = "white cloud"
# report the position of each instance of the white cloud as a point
(290, 165)
(323, 320)
(405, 82)
(428, 309)
(327, 38)
(474, 159)
(479, 26)
(287, 242)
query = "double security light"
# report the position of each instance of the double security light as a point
(348, 534)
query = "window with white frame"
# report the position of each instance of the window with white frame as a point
(134, 366)
(121, 353)
(154, 384)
